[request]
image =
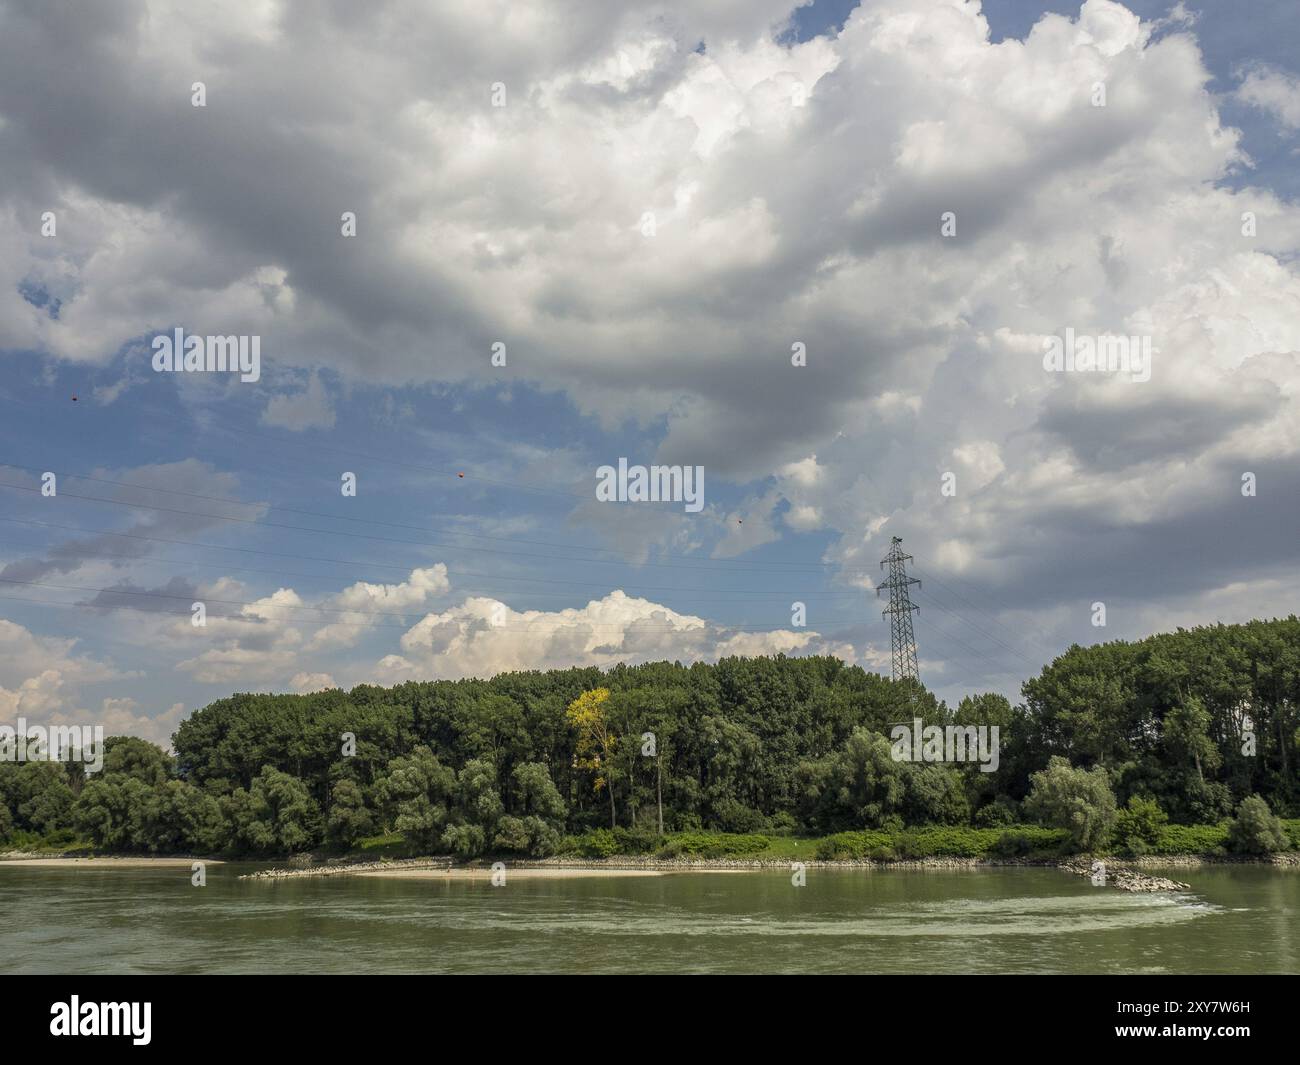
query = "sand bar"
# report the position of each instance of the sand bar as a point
(528, 873)
(107, 863)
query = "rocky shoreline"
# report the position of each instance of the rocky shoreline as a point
(1120, 873)
(1192, 860)
(1105, 873)
(338, 868)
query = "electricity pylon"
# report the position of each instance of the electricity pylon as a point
(899, 612)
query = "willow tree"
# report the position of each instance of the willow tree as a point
(594, 750)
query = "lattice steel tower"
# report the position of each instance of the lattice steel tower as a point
(899, 612)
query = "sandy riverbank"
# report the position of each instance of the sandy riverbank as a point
(625, 866)
(526, 872)
(106, 863)
(442, 869)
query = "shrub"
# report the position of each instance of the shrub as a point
(1030, 841)
(941, 841)
(1191, 839)
(846, 846)
(1255, 830)
(1137, 828)
(636, 840)
(599, 843)
(834, 849)
(908, 845)
(464, 841)
(59, 837)
(719, 845)
(952, 841)
(526, 835)
(1012, 845)
(782, 823)
(731, 815)
(997, 814)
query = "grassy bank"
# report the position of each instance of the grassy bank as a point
(904, 844)
(54, 844)
(884, 845)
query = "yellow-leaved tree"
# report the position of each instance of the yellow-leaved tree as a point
(595, 748)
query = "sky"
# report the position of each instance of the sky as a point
(817, 251)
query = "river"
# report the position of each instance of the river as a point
(1236, 919)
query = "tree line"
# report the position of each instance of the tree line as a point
(1182, 726)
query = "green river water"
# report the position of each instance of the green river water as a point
(1236, 919)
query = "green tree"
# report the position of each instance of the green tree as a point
(1084, 704)
(858, 786)
(480, 802)
(1195, 720)
(1075, 799)
(935, 795)
(134, 757)
(111, 811)
(538, 822)
(464, 840)
(419, 792)
(1255, 830)
(44, 796)
(535, 793)
(276, 815)
(349, 818)
(1137, 828)
(1186, 734)
(179, 817)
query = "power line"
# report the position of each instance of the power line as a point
(364, 613)
(988, 636)
(974, 655)
(318, 514)
(792, 566)
(244, 433)
(505, 578)
(989, 614)
(534, 626)
(719, 564)
(405, 569)
(366, 536)
(407, 543)
(459, 573)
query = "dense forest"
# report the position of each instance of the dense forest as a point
(1181, 726)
